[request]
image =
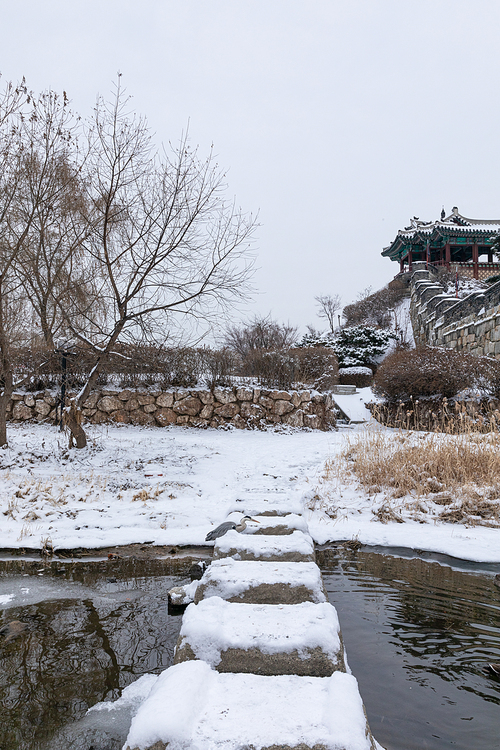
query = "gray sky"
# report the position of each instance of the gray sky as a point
(337, 119)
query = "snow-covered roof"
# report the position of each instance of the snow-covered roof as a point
(453, 224)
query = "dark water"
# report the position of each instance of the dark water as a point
(87, 637)
(417, 634)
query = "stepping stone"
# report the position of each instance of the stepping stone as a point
(294, 547)
(191, 706)
(277, 525)
(267, 639)
(271, 503)
(262, 582)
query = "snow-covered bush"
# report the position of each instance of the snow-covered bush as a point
(429, 371)
(360, 345)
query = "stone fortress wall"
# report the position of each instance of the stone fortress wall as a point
(471, 324)
(242, 407)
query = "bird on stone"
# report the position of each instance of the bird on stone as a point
(223, 528)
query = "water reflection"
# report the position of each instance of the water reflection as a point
(79, 650)
(417, 635)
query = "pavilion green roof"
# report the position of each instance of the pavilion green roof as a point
(437, 233)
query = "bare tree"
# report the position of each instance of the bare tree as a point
(328, 305)
(260, 333)
(48, 211)
(161, 238)
(13, 101)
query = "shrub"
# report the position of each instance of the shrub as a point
(361, 377)
(360, 345)
(317, 366)
(423, 372)
(273, 369)
(375, 309)
(219, 367)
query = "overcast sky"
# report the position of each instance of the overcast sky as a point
(338, 120)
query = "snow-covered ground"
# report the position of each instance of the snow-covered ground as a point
(170, 486)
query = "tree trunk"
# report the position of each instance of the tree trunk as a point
(5, 397)
(73, 420)
(73, 415)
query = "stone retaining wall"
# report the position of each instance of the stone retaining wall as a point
(471, 324)
(241, 407)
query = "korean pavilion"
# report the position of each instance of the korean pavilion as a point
(454, 241)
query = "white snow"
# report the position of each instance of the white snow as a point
(264, 546)
(229, 578)
(215, 625)
(353, 405)
(133, 695)
(5, 598)
(100, 497)
(192, 706)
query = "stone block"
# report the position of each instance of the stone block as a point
(165, 417)
(294, 420)
(244, 394)
(312, 421)
(21, 411)
(228, 411)
(224, 396)
(132, 404)
(238, 422)
(125, 395)
(192, 706)
(109, 403)
(295, 399)
(206, 397)
(121, 416)
(207, 411)
(42, 409)
(145, 399)
(188, 406)
(149, 408)
(91, 401)
(182, 419)
(252, 582)
(251, 410)
(282, 407)
(266, 402)
(282, 395)
(29, 400)
(165, 400)
(141, 418)
(294, 547)
(278, 525)
(302, 639)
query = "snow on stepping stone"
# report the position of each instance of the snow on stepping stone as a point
(278, 524)
(294, 547)
(268, 639)
(269, 505)
(262, 582)
(195, 708)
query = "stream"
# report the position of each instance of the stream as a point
(418, 629)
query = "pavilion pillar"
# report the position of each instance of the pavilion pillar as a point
(447, 255)
(401, 265)
(475, 260)
(490, 256)
(410, 260)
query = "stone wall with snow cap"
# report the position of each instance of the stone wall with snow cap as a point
(471, 324)
(242, 407)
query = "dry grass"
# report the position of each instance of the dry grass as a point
(424, 477)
